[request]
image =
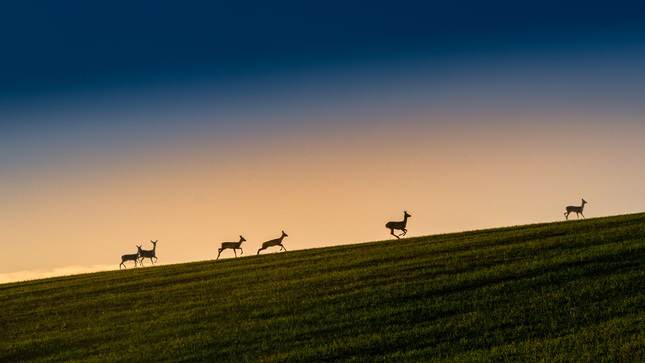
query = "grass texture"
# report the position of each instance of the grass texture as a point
(566, 291)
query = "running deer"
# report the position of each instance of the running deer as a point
(143, 254)
(133, 257)
(398, 225)
(274, 242)
(232, 245)
(578, 210)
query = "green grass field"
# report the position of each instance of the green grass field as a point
(567, 291)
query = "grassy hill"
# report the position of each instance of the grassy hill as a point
(567, 291)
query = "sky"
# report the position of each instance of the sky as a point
(192, 123)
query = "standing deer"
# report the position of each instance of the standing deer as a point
(578, 210)
(232, 245)
(133, 257)
(274, 242)
(148, 253)
(398, 225)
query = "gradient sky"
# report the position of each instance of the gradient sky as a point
(191, 123)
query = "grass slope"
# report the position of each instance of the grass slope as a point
(569, 291)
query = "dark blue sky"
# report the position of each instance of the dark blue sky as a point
(54, 46)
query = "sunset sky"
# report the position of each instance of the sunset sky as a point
(192, 123)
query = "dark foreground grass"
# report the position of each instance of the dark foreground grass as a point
(570, 291)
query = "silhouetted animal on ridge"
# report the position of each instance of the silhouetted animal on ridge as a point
(398, 225)
(274, 242)
(148, 253)
(134, 257)
(578, 210)
(232, 245)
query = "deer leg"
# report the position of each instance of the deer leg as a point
(582, 215)
(282, 248)
(235, 253)
(404, 232)
(566, 215)
(392, 233)
(241, 251)
(219, 252)
(260, 250)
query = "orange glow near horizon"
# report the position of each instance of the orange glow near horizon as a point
(323, 187)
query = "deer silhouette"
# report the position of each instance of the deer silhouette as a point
(398, 225)
(232, 245)
(576, 209)
(274, 242)
(143, 254)
(134, 257)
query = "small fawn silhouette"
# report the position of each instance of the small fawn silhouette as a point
(232, 245)
(398, 225)
(274, 242)
(576, 209)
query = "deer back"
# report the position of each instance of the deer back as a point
(130, 257)
(270, 243)
(273, 242)
(226, 245)
(150, 253)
